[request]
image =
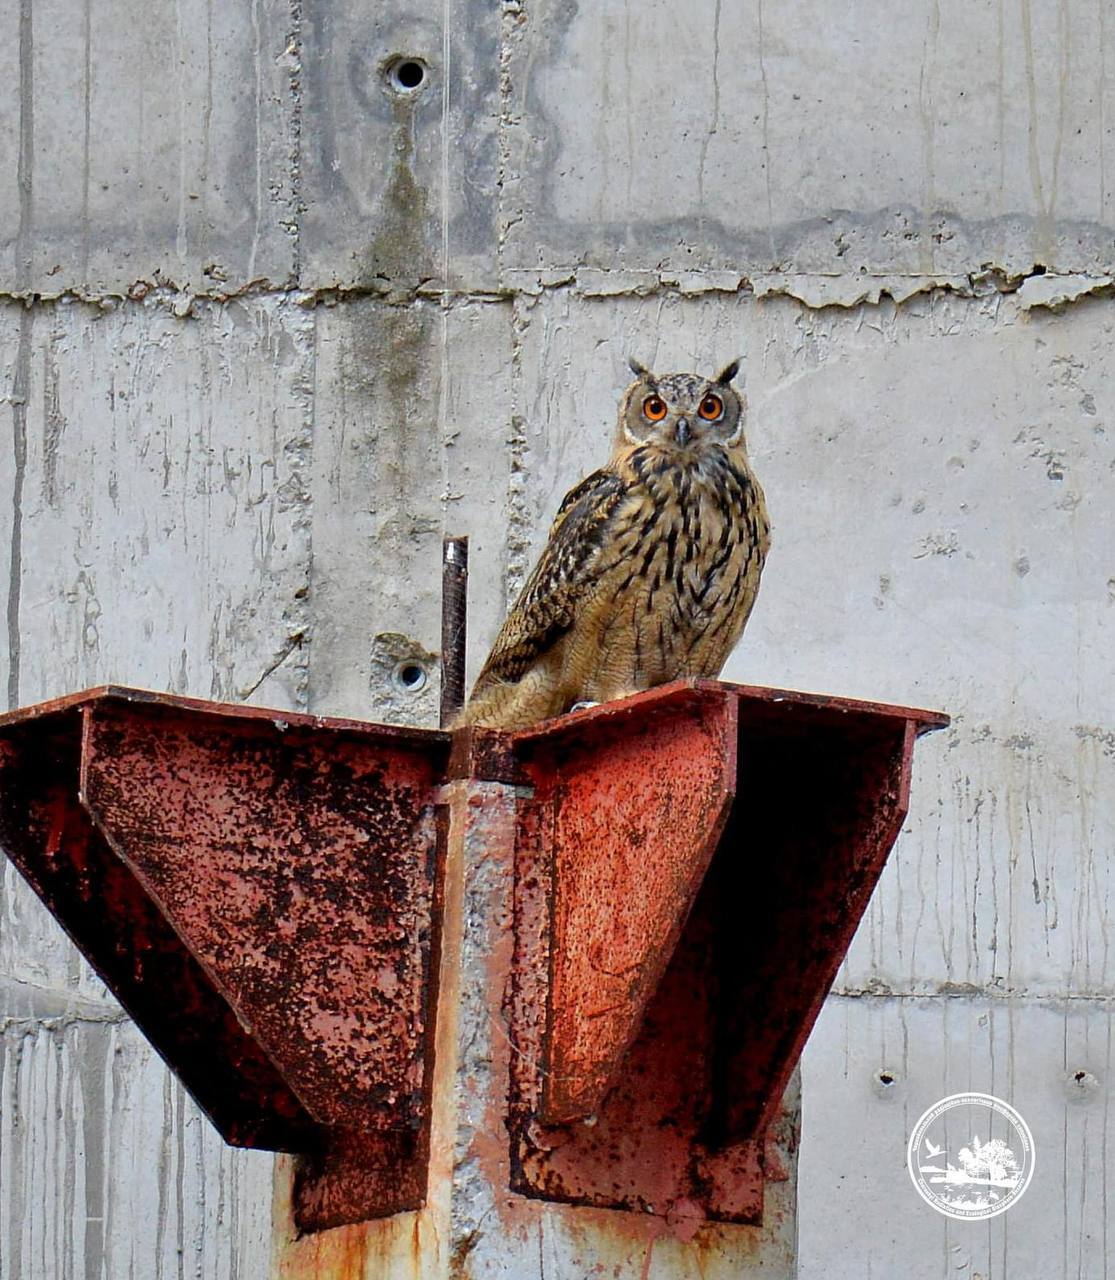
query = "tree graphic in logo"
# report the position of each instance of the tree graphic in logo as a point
(984, 1177)
(993, 1163)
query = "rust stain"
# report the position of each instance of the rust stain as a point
(387, 1246)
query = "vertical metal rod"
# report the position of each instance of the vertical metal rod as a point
(454, 610)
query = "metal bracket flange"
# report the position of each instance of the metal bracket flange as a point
(260, 892)
(690, 869)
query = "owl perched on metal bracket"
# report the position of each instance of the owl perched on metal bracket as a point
(652, 566)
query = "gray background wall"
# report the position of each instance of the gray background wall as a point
(266, 331)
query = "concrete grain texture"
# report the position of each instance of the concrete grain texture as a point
(130, 1180)
(153, 143)
(268, 329)
(906, 137)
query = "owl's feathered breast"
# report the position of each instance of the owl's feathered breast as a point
(546, 608)
(649, 564)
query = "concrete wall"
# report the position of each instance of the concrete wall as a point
(266, 330)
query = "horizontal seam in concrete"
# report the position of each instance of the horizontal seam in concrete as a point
(76, 1006)
(808, 289)
(966, 992)
(55, 1022)
(80, 1011)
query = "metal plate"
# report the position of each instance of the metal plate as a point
(260, 893)
(661, 1003)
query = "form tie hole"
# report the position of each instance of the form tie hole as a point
(405, 75)
(410, 676)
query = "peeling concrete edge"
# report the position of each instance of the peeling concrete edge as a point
(182, 301)
(1056, 291)
(58, 1022)
(816, 291)
(970, 991)
(55, 1008)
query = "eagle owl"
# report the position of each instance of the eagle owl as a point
(652, 565)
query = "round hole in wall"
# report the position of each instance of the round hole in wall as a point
(410, 676)
(1081, 1085)
(886, 1083)
(406, 75)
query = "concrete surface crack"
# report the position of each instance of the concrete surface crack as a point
(293, 643)
(815, 290)
(19, 394)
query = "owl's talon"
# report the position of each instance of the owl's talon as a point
(583, 706)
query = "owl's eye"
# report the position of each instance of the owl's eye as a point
(711, 407)
(654, 408)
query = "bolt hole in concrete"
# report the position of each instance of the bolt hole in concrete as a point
(1082, 1085)
(886, 1083)
(405, 75)
(410, 676)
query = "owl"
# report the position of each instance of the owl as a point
(652, 564)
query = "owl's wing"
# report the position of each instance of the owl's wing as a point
(547, 605)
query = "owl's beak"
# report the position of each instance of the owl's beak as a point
(682, 431)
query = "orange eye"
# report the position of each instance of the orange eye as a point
(654, 408)
(711, 407)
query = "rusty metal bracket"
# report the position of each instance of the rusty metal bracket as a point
(660, 1003)
(260, 892)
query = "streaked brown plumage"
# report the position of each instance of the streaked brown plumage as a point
(652, 566)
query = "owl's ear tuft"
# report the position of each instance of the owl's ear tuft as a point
(639, 370)
(728, 373)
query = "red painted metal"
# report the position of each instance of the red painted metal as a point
(260, 893)
(633, 802)
(624, 1103)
